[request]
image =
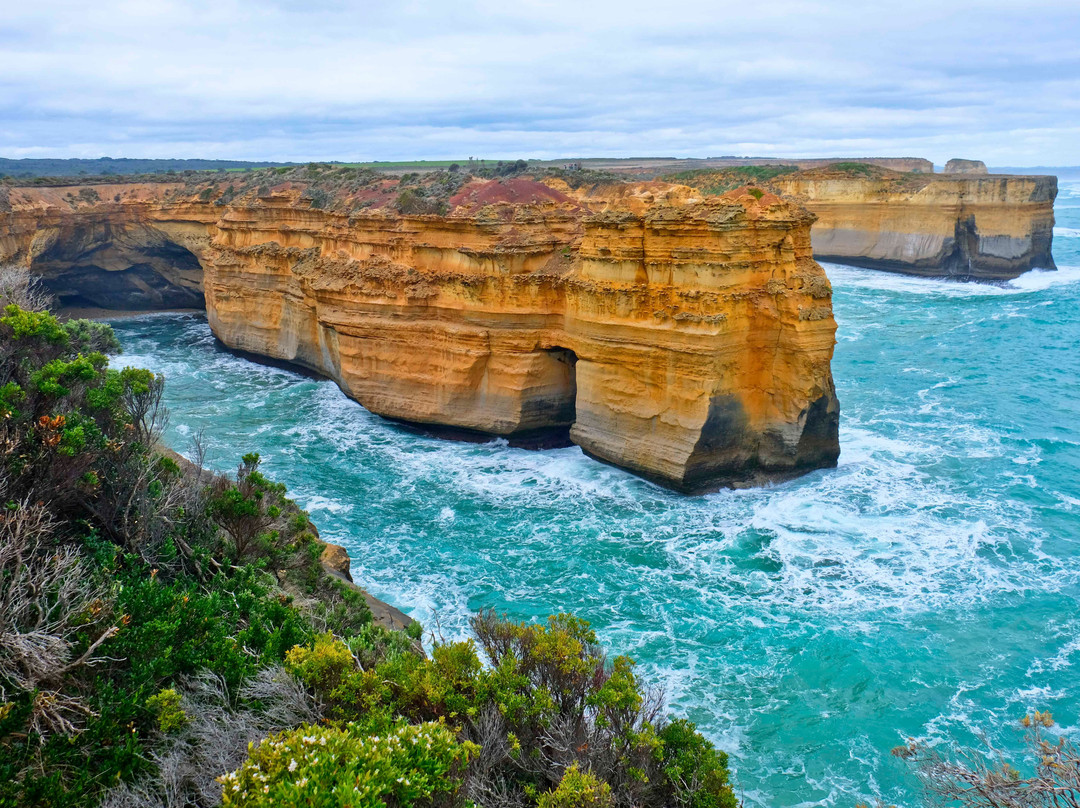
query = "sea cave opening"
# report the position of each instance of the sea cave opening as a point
(122, 269)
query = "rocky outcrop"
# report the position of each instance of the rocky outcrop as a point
(685, 339)
(958, 166)
(968, 227)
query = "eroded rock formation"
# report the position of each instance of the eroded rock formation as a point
(959, 166)
(685, 339)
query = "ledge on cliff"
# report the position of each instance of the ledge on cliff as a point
(683, 337)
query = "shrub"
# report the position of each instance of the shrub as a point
(53, 619)
(19, 288)
(859, 169)
(323, 666)
(262, 523)
(165, 704)
(415, 202)
(409, 765)
(578, 789)
(974, 779)
(320, 197)
(695, 770)
(550, 700)
(89, 336)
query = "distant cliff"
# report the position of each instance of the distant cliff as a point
(959, 166)
(687, 340)
(968, 226)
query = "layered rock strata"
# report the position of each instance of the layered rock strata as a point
(685, 339)
(961, 226)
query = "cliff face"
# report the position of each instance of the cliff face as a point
(687, 340)
(964, 226)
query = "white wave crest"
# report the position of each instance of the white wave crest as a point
(846, 277)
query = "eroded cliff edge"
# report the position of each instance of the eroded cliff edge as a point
(685, 339)
(965, 226)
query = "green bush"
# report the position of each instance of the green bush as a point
(165, 704)
(578, 789)
(697, 772)
(151, 597)
(549, 687)
(410, 765)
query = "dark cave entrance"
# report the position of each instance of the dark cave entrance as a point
(566, 374)
(134, 268)
(553, 405)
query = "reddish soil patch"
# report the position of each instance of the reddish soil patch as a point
(517, 191)
(743, 195)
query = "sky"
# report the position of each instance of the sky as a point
(393, 79)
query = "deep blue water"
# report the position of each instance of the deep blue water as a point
(926, 587)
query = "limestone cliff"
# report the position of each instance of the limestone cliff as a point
(685, 339)
(968, 226)
(964, 226)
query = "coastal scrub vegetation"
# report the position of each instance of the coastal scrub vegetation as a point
(983, 778)
(169, 637)
(718, 181)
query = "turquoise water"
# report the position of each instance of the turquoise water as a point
(926, 587)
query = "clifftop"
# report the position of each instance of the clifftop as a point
(353, 191)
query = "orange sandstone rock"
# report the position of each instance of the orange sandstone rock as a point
(685, 339)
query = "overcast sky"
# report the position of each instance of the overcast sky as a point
(360, 80)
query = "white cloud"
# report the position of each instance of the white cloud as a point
(329, 79)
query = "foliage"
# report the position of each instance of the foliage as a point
(578, 789)
(221, 724)
(89, 336)
(416, 202)
(696, 770)
(53, 619)
(858, 169)
(406, 765)
(500, 169)
(549, 700)
(976, 779)
(19, 288)
(117, 586)
(165, 704)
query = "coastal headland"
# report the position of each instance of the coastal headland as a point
(684, 337)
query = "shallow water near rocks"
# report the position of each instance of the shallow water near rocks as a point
(926, 587)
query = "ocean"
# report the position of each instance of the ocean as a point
(926, 588)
